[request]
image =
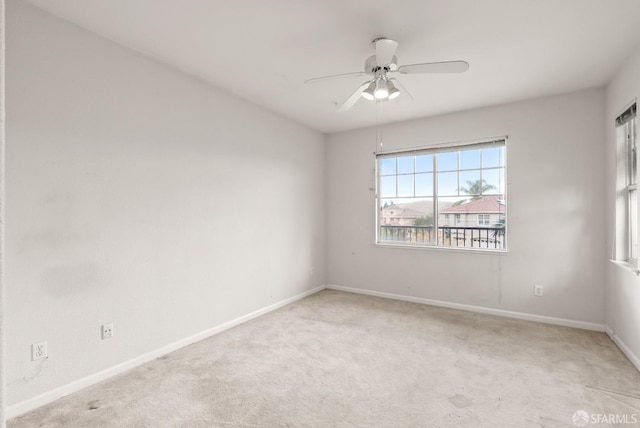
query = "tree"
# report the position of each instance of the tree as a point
(498, 232)
(477, 188)
(426, 220)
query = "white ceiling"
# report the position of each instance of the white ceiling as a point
(263, 50)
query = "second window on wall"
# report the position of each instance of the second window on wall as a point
(627, 164)
(446, 196)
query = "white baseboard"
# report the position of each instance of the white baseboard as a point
(46, 398)
(479, 309)
(624, 348)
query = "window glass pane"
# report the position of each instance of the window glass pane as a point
(447, 183)
(447, 161)
(471, 223)
(632, 156)
(633, 224)
(492, 157)
(424, 163)
(405, 164)
(388, 186)
(387, 166)
(409, 222)
(405, 185)
(470, 159)
(470, 183)
(424, 184)
(493, 181)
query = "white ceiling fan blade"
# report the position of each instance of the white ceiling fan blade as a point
(403, 90)
(333, 76)
(353, 98)
(435, 67)
(385, 50)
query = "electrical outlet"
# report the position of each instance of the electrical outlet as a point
(538, 290)
(107, 331)
(38, 351)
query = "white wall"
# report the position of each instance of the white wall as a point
(140, 196)
(2, 215)
(623, 286)
(556, 219)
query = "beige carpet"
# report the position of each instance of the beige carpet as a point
(337, 359)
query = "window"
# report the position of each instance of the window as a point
(425, 186)
(627, 166)
(484, 219)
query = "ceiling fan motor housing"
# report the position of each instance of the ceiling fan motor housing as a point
(371, 65)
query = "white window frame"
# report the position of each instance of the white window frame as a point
(484, 219)
(626, 131)
(452, 147)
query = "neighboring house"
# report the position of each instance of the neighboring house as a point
(487, 211)
(393, 215)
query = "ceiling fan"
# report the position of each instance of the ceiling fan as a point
(382, 87)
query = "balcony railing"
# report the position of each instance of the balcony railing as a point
(448, 236)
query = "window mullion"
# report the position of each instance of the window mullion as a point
(436, 213)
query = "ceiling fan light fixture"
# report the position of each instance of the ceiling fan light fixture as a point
(381, 92)
(393, 91)
(367, 94)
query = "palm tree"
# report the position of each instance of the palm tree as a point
(477, 188)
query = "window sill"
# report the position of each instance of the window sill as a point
(627, 266)
(487, 251)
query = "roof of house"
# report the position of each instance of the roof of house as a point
(485, 204)
(401, 212)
